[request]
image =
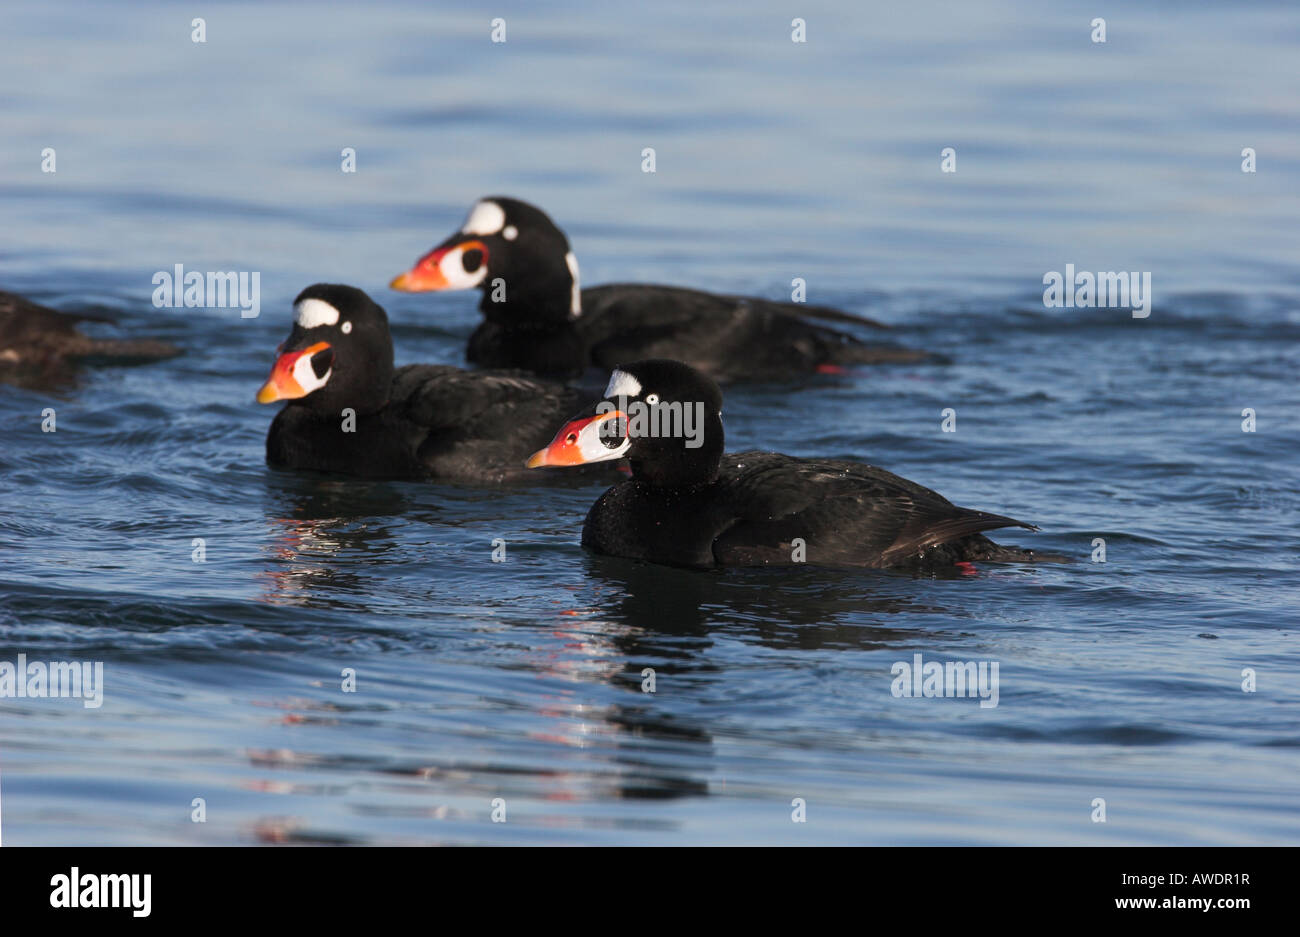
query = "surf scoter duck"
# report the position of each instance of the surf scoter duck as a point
(40, 346)
(687, 504)
(350, 412)
(537, 318)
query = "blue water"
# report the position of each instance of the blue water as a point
(521, 680)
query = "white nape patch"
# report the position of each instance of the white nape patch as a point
(485, 218)
(510, 232)
(575, 294)
(622, 384)
(305, 374)
(311, 313)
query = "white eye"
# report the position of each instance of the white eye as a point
(510, 233)
(652, 399)
(346, 327)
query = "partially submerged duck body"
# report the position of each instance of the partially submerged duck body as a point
(349, 411)
(40, 346)
(688, 504)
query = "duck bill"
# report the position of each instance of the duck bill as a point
(283, 383)
(426, 276)
(579, 443)
(430, 274)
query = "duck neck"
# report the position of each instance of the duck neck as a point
(532, 330)
(535, 301)
(363, 388)
(676, 466)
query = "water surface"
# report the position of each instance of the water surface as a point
(522, 680)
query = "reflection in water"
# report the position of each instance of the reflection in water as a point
(312, 520)
(669, 613)
(575, 746)
(58, 378)
(640, 616)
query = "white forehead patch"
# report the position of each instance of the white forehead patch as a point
(575, 291)
(485, 218)
(622, 384)
(313, 312)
